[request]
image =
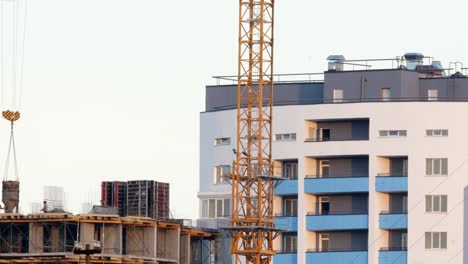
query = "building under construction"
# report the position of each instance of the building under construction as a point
(52, 238)
(145, 198)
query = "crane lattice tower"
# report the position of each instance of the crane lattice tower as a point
(252, 180)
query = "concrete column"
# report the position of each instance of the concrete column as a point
(134, 241)
(168, 244)
(36, 236)
(301, 209)
(86, 232)
(111, 239)
(54, 238)
(184, 249)
(149, 242)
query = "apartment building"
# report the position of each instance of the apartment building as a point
(376, 160)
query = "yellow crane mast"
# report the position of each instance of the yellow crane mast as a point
(252, 223)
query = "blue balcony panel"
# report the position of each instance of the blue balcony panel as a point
(286, 187)
(349, 257)
(286, 223)
(285, 258)
(337, 185)
(391, 184)
(337, 222)
(393, 257)
(393, 221)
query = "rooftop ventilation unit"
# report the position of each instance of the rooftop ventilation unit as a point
(413, 60)
(335, 62)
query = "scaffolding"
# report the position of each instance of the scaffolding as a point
(114, 194)
(51, 237)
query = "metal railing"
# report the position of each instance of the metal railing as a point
(277, 78)
(392, 174)
(344, 212)
(286, 251)
(286, 215)
(315, 139)
(389, 212)
(393, 249)
(334, 176)
(316, 250)
(354, 100)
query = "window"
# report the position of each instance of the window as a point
(285, 137)
(289, 242)
(211, 208)
(215, 208)
(405, 204)
(436, 240)
(436, 203)
(437, 132)
(289, 170)
(325, 134)
(290, 206)
(385, 94)
(204, 212)
(404, 240)
(220, 173)
(337, 95)
(432, 94)
(392, 133)
(324, 205)
(437, 167)
(324, 242)
(222, 141)
(324, 168)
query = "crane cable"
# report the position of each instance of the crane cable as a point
(15, 75)
(11, 149)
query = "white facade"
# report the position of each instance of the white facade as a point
(414, 117)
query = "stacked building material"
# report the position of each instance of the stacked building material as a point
(137, 198)
(114, 194)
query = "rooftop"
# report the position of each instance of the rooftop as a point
(427, 66)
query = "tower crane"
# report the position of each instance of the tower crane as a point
(252, 223)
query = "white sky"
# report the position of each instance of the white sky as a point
(113, 89)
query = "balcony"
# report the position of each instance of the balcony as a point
(345, 256)
(337, 221)
(393, 256)
(329, 185)
(390, 183)
(286, 223)
(337, 130)
(286, 187)
(393, 220)
(285, 257)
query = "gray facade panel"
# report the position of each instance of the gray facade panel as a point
(360, 167)
(356, 240)
(396, 238)
(448, 88)
(225, 96)
(367, 85)
(396, 202)
(360, 203)
(360, 129)
(348, 204)
(405, 85)
(397, 166)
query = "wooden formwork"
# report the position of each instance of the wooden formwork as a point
(49, 238)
